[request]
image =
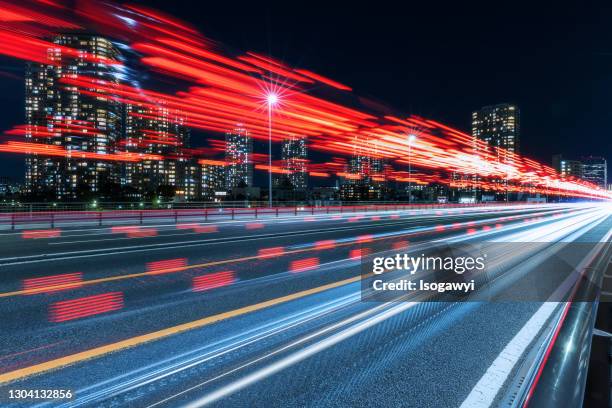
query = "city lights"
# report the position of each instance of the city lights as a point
(229, 88)
(187, 223)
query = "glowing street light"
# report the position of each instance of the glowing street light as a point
(411, 139)
(272, 100)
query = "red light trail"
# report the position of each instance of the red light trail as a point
(223, 88)
(46, 284)
(305, 264)
(213, 281)
(83, 307)
(166, 266)
(39, 234)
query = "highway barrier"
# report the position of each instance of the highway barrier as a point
(51, 219)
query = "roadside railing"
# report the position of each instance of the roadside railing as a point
(17, 206)
(560, 374)
(140, 216)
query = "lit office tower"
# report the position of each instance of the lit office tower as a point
(362, 179)
(189, 180)
(568, 168)
(58, 114)
(571, 168)
(378, 170)
(295, 161)
(595, 170)
(238, 156)
(498, 125)
(212, 179)
(158, 131)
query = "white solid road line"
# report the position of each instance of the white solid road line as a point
(485, 391)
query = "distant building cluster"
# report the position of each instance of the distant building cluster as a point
(58, 114)
(9, 188)
(499, 126)
(593, 169)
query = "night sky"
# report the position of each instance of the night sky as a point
(434, 59)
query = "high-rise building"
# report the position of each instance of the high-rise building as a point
(212, 179)
(571, 168)
(568, 168)
(295, 162)
(238, 157)
(58, 114)
(156, 130)
(498, 125)
(189, 186)
(595, 170)
(363, 179)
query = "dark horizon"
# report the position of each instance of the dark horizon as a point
(442, 64)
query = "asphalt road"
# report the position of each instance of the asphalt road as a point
(268, 312)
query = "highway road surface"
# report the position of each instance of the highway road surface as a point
(269, 312)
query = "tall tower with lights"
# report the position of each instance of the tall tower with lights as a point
(498, 125)
(156, 130)
(238, 157)
(60, 114)
(295, 161)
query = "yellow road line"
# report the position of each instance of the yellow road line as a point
(170, 270)
(138, 340)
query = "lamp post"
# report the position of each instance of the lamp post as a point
(272, 100)
(411, 139)
(507, 185)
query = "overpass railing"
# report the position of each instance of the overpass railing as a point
(559, 375)
(192, 212)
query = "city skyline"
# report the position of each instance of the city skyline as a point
(240, 161)
(301, 205)
(547, 121)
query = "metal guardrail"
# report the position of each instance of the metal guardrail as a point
(51, 219)
(560, 375)
(16, 206)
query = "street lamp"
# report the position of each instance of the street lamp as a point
(272, 100)
(411, 139)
